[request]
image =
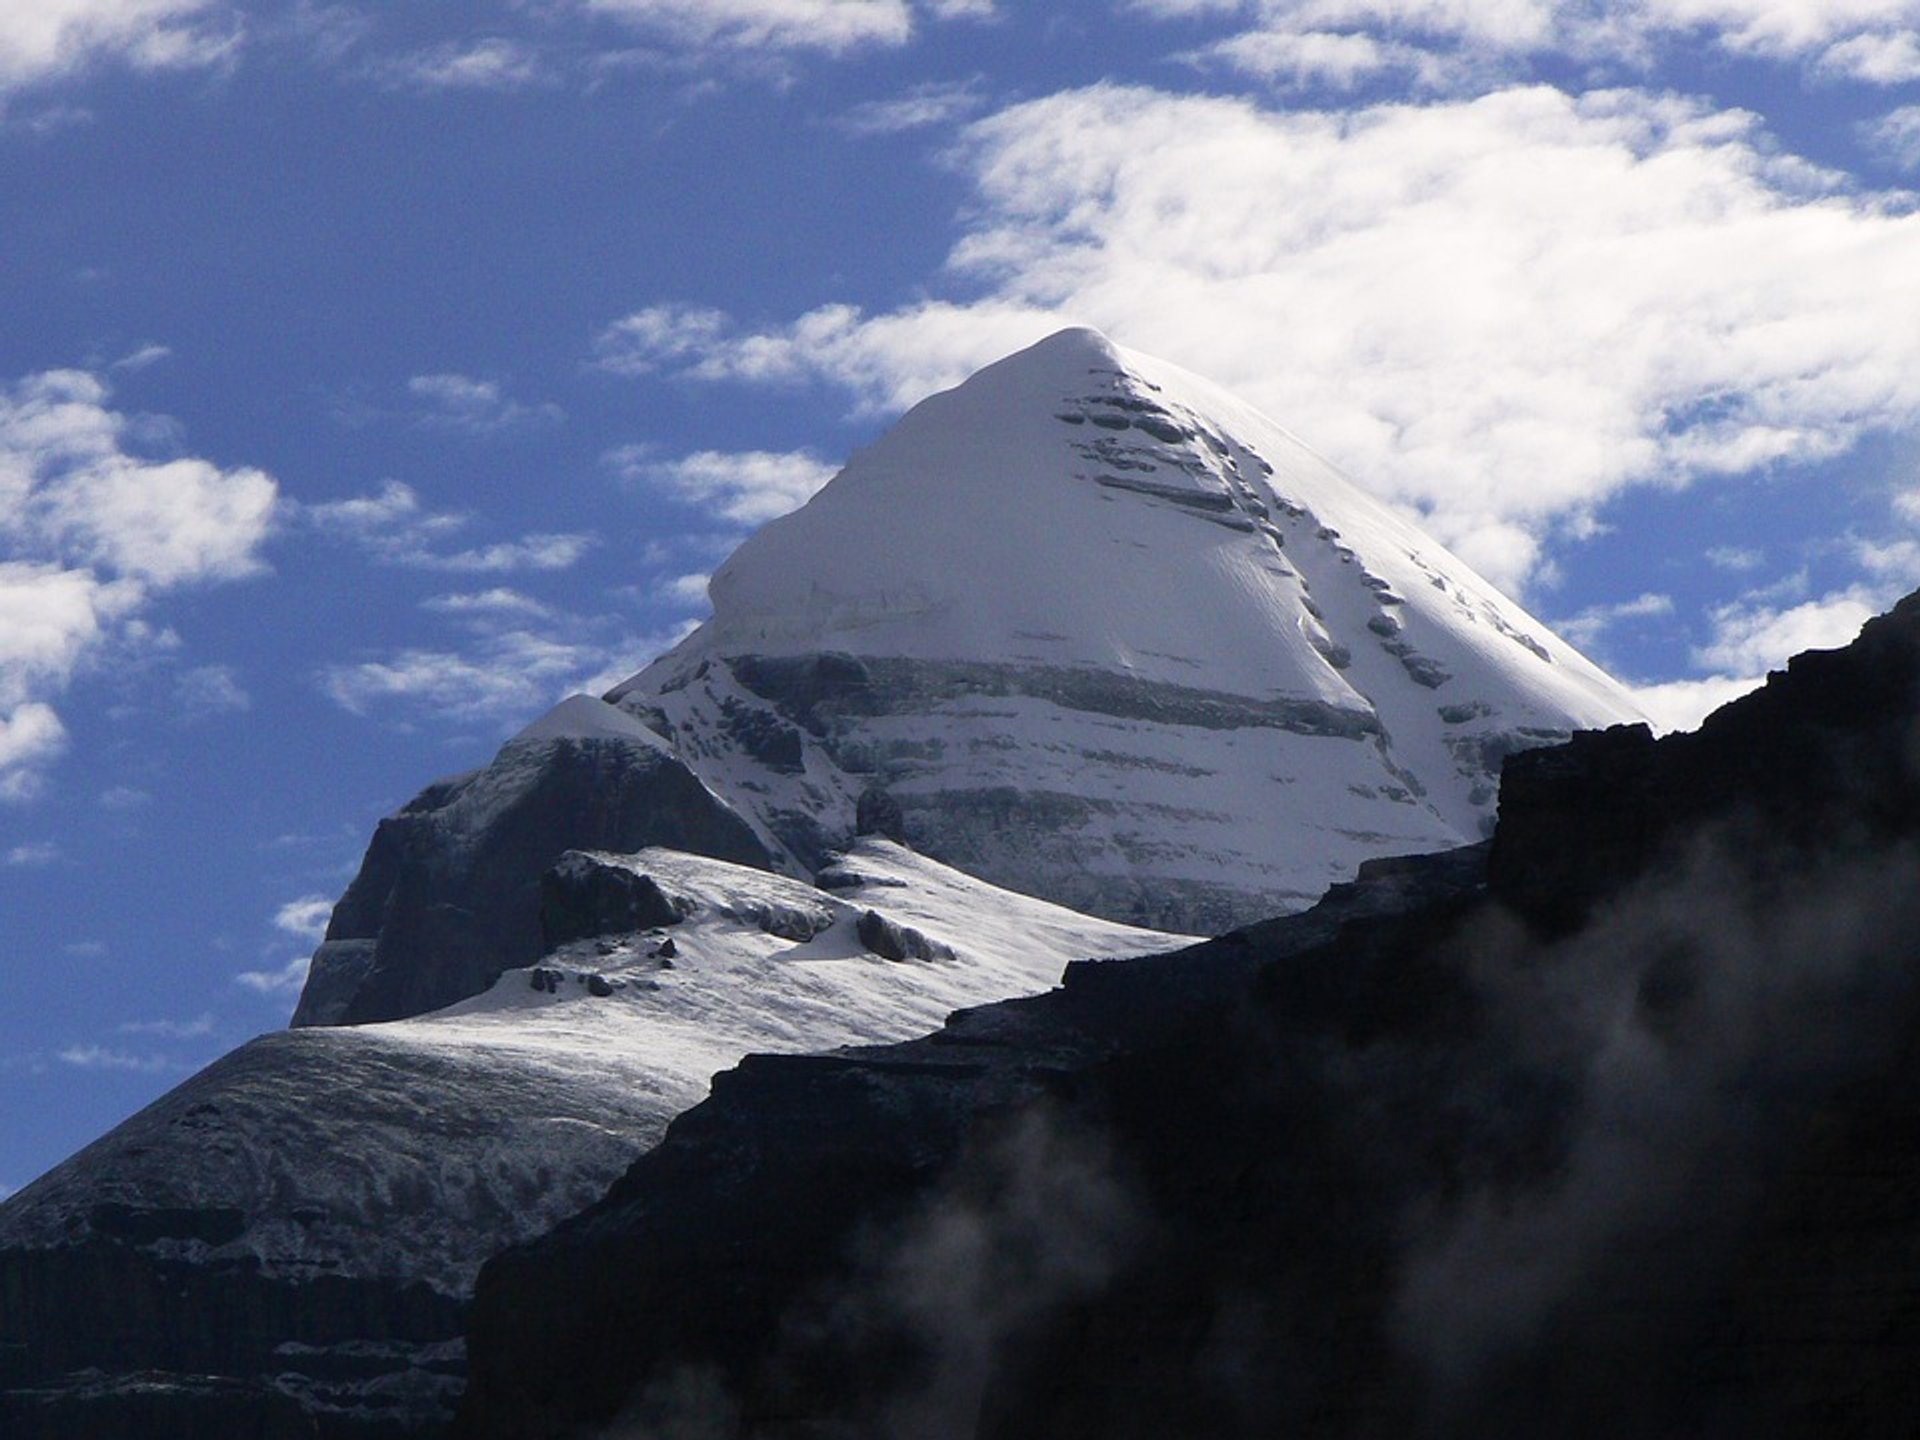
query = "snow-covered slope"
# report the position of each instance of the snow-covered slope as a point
(402, 1155)
(1100, 632)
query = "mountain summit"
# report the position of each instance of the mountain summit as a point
(1089, 627)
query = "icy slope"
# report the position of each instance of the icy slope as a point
(332, 1191)
(1103, 633)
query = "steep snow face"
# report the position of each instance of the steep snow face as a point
(1091, 628)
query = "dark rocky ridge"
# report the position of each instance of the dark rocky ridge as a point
(1619, 1141)
(448, 896)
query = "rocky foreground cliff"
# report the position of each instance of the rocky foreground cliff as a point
(1611, 1128)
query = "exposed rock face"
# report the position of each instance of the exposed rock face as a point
(1618, 1141)
(449, 896)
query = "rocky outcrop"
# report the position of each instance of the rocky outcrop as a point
(449, 894)
(1616, 1141)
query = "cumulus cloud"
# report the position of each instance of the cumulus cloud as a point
(99, 1057)
(490, 63)
(1441, 41)
(46, 39)
(285, 983)
(474, 407)
(938, 102)
(96, 533)
(1497, 312)
(208, 690)
(305, 918)
(1589, 627)
(1748, 638)
(1895, 136)
(747, 487)
(833, 26)
(396, 528)
(496, 671)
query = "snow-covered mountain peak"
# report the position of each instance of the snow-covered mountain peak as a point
(1091, 627)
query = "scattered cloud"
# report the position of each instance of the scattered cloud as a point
(1879, 57)
(305, 918)
(96, 531)
(37, 852)
(661, 335)
(499, 677)
(284, 983)
(491, 63)
(98, 1057)
(1748, 638)
(85, 949)
(938, 102)
(1735, 558)
(1895, 137)
(124, 797)
(1498, 312)
(474, 407)
(1437, 43)
(747, 487)
(688, 589)
(209, 690)
(498, 601)
(169, 1029)
(1683, 704)
(42, 40)
(1588, 627)
(832, 26)
(395, 528)
(142, 358)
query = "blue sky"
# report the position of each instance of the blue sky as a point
(372, 376)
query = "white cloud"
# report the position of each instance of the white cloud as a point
(474, 407)
(1437, 40)
(124, 797)
(1497, 312)
(832, 26)
(1895, 136)
(490, 63)
(1590, 625)
(284, 983)
(46, 39)
(208, 690)
(498, 601)
(98, 1057)
(96, 532)
(39, 852)
(747, 487)
(659, 335)
(688, 589)
(1683, 704)
(499, 677)
(394, 527)
(169, 1029)
(938, 102)
(1748, 638)
(305, 918)
(1883, 58)
(1733, 557)
(141, 359)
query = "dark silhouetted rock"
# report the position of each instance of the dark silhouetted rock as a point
(1618, 1141)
